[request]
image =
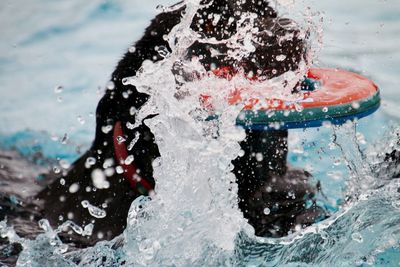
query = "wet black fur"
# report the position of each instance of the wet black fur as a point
(115, 106)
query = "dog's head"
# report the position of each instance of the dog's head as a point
(277, 45)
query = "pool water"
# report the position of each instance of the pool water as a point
(56, 58)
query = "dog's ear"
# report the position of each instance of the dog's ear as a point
(119, 99)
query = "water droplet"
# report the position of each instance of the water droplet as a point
(108, 163)
(160, 8)
(275, 125)
(97, 212)
(132, 111)
(129, 160)
(309, 167)
(56, 170)
(280, 57)
(109, 172)
(298, 107)
(119, 170)
(336, 175)
(52, 242)
(162, 51)
(100, 235)
(355, 105)
(88, 230)
(14, 199)
(81, 120)
(325, 109)
(45, 225)
(270, 113)
(106, 129)
(357, 237)
(93, 210)
(133, 142)
(76, 228)
(286, 113)
(332, 146)
(73, 188)
(64, 140)
(125, 81)
(242, 116)
(61, 249)
(64, 164)
(110, 85)
(267, 211)
(337, 162)
(62, 181)
(99, 179)
(361, 138)
(327, 124)
(259, 157)
(132, 49)
(298, 150)
(58, 89)
(85, 203)
(130, 126)
(54, 137)
(396, 204)
(324, 235)
(120, 139)
(90, 161)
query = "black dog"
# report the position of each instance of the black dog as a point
(262, 184)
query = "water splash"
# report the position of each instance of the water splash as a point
(93, 210)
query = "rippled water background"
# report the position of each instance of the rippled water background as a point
(75, 45)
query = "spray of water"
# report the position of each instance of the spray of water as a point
(195, 204)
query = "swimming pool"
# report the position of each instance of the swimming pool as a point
(61, 54)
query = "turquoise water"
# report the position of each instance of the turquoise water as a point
(75, 45)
